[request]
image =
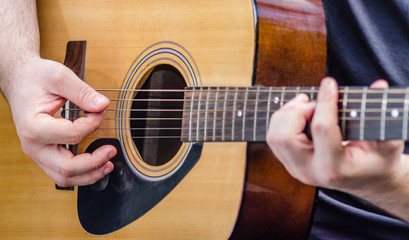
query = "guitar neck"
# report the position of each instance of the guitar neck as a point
(222, 114)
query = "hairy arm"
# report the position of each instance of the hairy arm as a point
(36, 89)
(20, 38)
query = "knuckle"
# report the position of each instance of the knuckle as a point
(320, 127)
(74, 137)
(27, 149)
(92, 180)
(97, 165)
(330, 178)
(66, 171)
(62, 182)
(58, 76)
(29, 134)
(278, 140)
(84, 93)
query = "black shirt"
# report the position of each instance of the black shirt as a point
(367, 40)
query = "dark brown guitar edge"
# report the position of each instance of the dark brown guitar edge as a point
(291, 51)
(74, 60)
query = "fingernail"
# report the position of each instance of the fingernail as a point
(107, 171)
(98, 100)
(327, 82)
(301, 98)
(111, 155)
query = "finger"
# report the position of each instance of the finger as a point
(91, 177)
(83, 169)
(285, 135)
(63, 131)
(325, 130)
(293, 116)
(80, 93)
(380, 84)
(83, 179)
(388, 148)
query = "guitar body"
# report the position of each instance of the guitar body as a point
(233, 189)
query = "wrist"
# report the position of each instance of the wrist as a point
(389, 191)
(12, 72)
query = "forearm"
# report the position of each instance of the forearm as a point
(19, 37)
(391, 194)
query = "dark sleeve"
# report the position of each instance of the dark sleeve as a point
(367, 40)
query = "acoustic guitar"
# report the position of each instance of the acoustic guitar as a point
(190, 105)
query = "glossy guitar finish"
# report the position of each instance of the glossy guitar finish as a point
(212, 44)
(291, 52)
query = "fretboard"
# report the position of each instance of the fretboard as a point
(219, 114)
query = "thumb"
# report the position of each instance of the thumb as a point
(82, 95)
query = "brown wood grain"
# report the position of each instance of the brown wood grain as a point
(291, 52)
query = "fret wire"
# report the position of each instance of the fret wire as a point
(244, 115)
(215, 114)
(234, 115)
(268, 109)
(191, 117)
(198, 115)
(224, 113)
(312, 93)
(255, 115)
(282, 96)
(207, 107)
(405, 116)
(344, 106)
(383, 112)
(362, 124)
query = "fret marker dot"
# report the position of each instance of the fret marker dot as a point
(395, 113)
(239, 114)
(276, 100)
(353, 114)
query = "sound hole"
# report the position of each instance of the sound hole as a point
(156, 122)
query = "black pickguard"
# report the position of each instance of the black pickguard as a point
(125, 197)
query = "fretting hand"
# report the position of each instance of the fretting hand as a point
(364, 168)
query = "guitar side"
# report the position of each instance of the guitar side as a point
(291, 52)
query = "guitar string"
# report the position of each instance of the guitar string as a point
(262, 90)
(180, 129)
(348, 110)
(356, 100)
(306, 91)
(209, 127)
(250, 118)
